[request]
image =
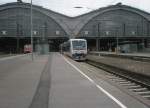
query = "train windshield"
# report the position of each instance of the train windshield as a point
(79, 45)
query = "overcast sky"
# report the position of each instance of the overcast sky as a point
(67, 6)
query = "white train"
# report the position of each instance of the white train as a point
(75, 48)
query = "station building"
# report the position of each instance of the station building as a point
(105, 29)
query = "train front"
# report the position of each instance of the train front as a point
(79, 49)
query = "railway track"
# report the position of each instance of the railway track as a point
(137, 84)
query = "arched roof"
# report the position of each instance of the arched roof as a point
(58, 18)
(84, 19)
(72, 25)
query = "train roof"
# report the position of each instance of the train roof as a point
(77, 39)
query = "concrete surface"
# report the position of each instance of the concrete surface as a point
(50, 82)
(19, 77)
(123, 54)
(69, 89)
(101, 78)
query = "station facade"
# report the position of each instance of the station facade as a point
(117, 26)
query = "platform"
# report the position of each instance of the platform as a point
(115, 54)
(19, 78)
(56, 81)
(125, 64)
(72, 88)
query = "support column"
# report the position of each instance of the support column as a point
(18, 37)
(143, 44)
(18, 46)
(97, 44)
(148, 43)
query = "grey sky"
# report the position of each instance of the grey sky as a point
(67, 6)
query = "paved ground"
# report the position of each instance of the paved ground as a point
(19, 77)
(101, 78)
(69, 89)
(73, 86)
(6, 55)
(55, 82)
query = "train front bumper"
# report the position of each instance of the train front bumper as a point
(77, 56)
